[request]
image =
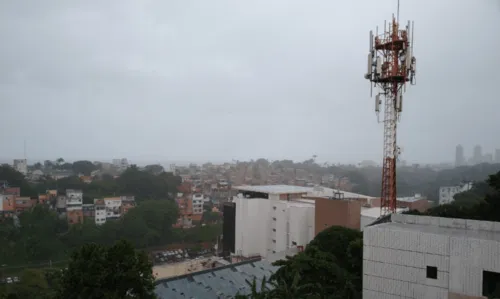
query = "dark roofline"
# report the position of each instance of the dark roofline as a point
(380, 220)
(253, 260)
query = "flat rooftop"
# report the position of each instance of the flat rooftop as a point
(376, 212)
(439, 230)
(274, 189)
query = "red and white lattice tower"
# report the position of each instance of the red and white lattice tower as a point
(391, 65)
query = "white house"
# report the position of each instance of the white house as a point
(113, 205)
(74, 199)
(429, 257)
(446, 193)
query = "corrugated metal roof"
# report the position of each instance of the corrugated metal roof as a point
(220, 283)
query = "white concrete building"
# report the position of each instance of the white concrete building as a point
(268, 222)
(370, 215)
(429, 257)
(113, 205)
(100, 211)
(197, 203)
(446, 193)
(120, 164)
(74, 198)
(21, 165)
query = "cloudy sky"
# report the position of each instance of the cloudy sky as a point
(224, 79)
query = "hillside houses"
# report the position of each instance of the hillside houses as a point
(69, 206)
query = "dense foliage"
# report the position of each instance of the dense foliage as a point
(329, 267)
(482, 202)
(94, 271)
(43, 236)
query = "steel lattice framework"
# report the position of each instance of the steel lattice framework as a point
(391, 65)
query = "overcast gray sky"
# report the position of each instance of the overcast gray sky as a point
(221, 80)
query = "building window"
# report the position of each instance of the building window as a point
(274, 241)
(491, 284)
(432, 272)
(274, 251)
(274, 208)
(274, 230)
(274, 218)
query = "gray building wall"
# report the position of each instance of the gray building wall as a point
(396, 256)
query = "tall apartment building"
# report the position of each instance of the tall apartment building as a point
(21, 165)
(120, 164)
(477, 156)
(459, 156)
(425, 257)
(497, 155)
(74, 202)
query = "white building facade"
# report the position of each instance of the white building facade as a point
(197, 203)
(446, 193)
(429, 257)
(74, 200)
(113, 205)
(21, 165)
(265, 226)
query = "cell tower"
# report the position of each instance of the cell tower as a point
(391, 65)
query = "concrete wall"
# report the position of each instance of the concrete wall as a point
(395, 260)
(330, 212)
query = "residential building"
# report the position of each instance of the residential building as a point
(197, 204)
(21, 165)
(7, 205)
(128, 202)
(459, 156)
(99, 211)
(61, 206)
(113, 207)
(74, 201)
(477, 155)
(446, 194)
(497, 155)
(88, 211)
(120, 164)
(431, 257)
(24, 204)
(16, 191)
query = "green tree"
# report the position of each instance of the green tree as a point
(97, 271)
(154, 169)
(84, 167)
(33, 284)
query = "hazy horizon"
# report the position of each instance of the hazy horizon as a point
(223, 80)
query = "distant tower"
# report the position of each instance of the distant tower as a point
(459, 156)
(391, 65)
(478, 154)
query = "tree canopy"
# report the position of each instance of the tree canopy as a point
(482, 202)
(117, 271)
(329, 267)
